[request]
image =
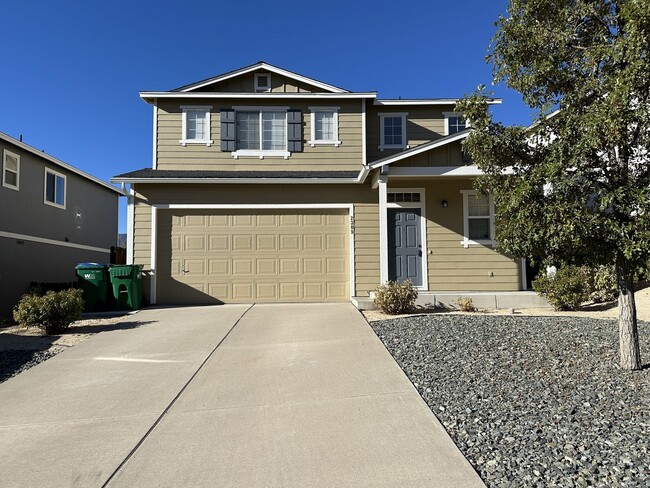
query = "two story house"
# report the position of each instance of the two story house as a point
(52, 217)
(269, 186)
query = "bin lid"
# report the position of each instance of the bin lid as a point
(91, 266)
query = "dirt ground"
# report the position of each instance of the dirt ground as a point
(16, 337)
(596, 311)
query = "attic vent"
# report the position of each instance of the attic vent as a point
(262, 82)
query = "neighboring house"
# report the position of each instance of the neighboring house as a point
(270, 186)
(52, 217)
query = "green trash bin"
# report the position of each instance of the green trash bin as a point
(127, 286)
(95, 283)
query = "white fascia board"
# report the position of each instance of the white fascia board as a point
(58, 162)
(150, 96)
(256, 181)
(267, 67)
(430, 101)
(417, 150)
(411, 172)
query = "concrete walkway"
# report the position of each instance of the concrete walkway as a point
(232, 396)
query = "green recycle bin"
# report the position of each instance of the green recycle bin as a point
(94, 281)
(127, 286)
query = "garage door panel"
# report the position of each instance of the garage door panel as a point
(242, 242)
(266, 242)
(253, 255)
(219, 243)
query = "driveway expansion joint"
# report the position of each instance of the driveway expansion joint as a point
(173, 401)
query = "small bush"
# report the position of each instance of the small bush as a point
(564, 290)
(602, 284)
(52, 312)
(393, 297)
(464, 304)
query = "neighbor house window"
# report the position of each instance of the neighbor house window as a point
(196, 125)
(324, 126)
(54, 188)
(478, 212)
(454, 123)
(393, 131)
(10, 170)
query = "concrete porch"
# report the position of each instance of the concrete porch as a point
(481, 299)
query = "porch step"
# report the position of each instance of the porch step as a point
(501, 299)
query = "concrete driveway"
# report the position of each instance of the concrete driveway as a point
(236, 395)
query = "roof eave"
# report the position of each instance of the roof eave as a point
(257, 181)
(150, 96)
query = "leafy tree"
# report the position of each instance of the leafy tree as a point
(573, 188)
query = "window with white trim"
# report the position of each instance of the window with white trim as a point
(263, 82)
(324, 126)
(392, 128)
(478, 218)
(196, 125)
(454, 122)
(10, 170)
(261, 132)
(55, 184)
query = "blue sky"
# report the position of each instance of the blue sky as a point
(72, 70)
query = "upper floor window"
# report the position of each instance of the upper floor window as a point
(196, 125)
(54, 188)
(263, 82)
(478, 213)
(392, 130)
(454, 123)
(324, 126)
(10, 170)
(261, 131)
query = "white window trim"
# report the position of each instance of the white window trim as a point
(184, 140)
(65, 188)
(466, 242)
(259, 88)
(261, 153)
(6, 153)
(323, 142)
(382, 116)
(452, 114)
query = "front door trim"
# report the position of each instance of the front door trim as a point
(423, 230)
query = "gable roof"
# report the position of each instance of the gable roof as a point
(58, 162)
(458, 136)
(253, 67)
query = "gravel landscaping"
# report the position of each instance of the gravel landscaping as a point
(16, 361)
(531, 401)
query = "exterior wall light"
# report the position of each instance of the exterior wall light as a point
(445, 204)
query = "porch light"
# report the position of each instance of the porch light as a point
(444, 203)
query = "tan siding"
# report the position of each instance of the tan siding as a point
(451, 267)
(448, 155)
(363, 198)
(423, 124)
(172, 155)
(366, 219)
(246, 84)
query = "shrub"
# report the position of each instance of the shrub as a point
(464, 304)
(393, 297)
(566, 289)
(602, 284)
(52, 312)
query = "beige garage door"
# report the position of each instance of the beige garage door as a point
(253, 255)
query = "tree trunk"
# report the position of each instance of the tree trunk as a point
(627, 329)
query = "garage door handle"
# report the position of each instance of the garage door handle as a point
(185, 271)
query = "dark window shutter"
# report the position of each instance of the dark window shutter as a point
(294, 129)
(227, 129)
